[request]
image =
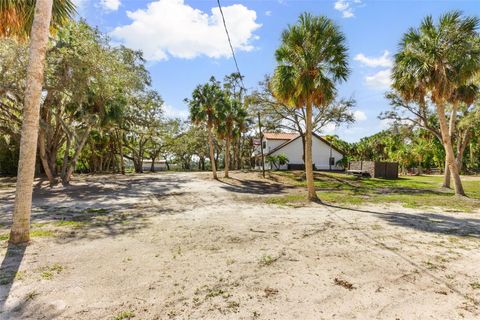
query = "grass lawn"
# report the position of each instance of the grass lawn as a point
(410, 191)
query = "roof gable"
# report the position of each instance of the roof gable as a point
(298, 136)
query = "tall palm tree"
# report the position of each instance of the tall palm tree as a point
(16, 17)
(311, 59)
(20, 19)
(438, 59)
(20, 232)
(205, 108)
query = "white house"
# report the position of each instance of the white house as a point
(325, 156)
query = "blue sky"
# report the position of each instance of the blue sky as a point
(184, 42)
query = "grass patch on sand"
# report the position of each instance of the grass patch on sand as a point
(124, 315)
(33, 234)
(410, 191)
(48, 272)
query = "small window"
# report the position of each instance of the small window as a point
(332, 161)
(264, 145)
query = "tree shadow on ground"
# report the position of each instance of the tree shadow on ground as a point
(427, 222)
(117, 194)
(8, 270)
(253, 186)
(408, 220)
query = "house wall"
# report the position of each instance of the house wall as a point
(272, 144)
(320, 153)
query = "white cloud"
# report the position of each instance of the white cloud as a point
(110, 5)
(359, 115)
(382, 61)
(346, 7)
(172, 112)
(380, 80)
(171, 28)
(268, 13)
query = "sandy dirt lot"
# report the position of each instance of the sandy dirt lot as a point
(183, 246)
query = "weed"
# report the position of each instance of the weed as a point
(233, 304)
(124, 315)
(48, 272)
(475, 285)
(215, 292)
(267, 260)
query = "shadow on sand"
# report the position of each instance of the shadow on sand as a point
(253, 186)
(427, 222)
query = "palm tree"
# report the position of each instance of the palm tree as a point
(18, 19)
(311, 59)
(20, 232)
(438, 59)
(205, 105)
(231, 125)
(466, 95)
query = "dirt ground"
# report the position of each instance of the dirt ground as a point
(183, 246)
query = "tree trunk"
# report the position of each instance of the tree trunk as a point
(450, 156)
(120, 147)
(152, 167)
(446, 175)
(43, 157)
(212, 156)
(66, 155)
(76, 155)
(227, 155)
(462, 143)
(312, 195)
(20, 232)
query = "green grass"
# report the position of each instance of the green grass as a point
(411, 191)
(48, 272)
(69, 223)
(124, 315)
(33, 234)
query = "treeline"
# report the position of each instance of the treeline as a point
(99, 112)
(415, 149)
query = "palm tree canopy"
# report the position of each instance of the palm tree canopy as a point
(16, 16)
(232, 120)
(206, 102)
(437, 58)
(312, 58)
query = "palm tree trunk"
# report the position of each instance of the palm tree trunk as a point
(227, 155)
(20, 232)
(451, 131)
(462, 143)
(312, 195)
(212, 156)
(450, 155)
(446, 175)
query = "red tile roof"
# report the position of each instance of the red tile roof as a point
(280, 135)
